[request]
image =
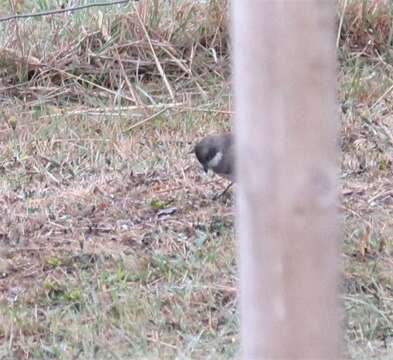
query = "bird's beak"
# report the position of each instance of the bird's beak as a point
(205, 168)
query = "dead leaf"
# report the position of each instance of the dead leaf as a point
(382, 245)
(166, 212)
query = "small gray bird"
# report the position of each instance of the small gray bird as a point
(216, 153)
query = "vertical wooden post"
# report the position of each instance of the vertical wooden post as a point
(284, 84)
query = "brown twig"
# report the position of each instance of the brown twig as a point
(147, 119)
(126, 79)
(111, 110)
(158, 64)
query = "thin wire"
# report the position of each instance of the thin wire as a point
(60, 11)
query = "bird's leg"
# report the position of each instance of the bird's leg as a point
(216, 197)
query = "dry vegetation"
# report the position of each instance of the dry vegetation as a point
(365, 93)
(110, 243)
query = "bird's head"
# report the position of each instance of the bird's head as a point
(209, 152)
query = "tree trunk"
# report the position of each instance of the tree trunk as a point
(286, 131)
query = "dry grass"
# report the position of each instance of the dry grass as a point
(110, 243)
(138, 55)
(366, 25)
(365, 82)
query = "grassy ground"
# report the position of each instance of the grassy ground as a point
(113, 246)
(110, 244)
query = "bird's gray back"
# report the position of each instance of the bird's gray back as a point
(226, 167)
